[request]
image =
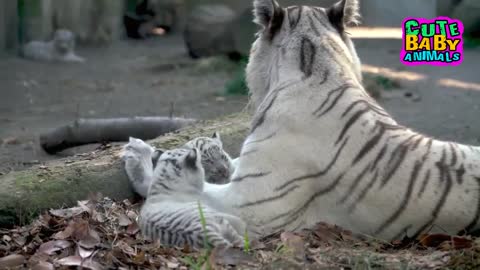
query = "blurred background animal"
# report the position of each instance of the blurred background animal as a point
(61, 48)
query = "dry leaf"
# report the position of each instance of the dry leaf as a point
(13, 260)
(445, 242)
(51, 247)
(67, 213)
(91, 240)
(133, 229)
(294, 244)
(126, 248)
(81, 229)
(229, 256)
(84, 253)
(6, 238)
(124, 221)
(77, 261)
(43, 266)
(140, 258)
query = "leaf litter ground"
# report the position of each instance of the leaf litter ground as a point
(103, 234)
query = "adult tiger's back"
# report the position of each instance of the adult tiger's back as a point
(321, 149)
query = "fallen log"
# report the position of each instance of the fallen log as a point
(60, 183)
(87, 131)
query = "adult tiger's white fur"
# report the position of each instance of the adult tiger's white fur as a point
(61, 48)
(320, 149)
(171, 211)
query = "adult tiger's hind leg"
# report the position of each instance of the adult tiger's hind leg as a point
(138, 157)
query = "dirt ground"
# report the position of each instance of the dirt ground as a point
(140, 78)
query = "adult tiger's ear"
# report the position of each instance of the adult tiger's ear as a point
(344, 13)
(269, 15)
(192, 160)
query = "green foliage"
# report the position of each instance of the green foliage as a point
(246, 243)
(238, 85)
(203, 221)
(386, 83)
(197, 263)
(471, 42)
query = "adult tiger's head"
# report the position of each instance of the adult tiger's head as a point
(300, 42)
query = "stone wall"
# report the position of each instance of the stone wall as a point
(93, 21)
(8, 25)
(391, 13)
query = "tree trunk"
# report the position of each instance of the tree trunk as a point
(63, 182)
(88, 131)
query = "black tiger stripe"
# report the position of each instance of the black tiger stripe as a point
(350, 123)
(369, 146)
(454, 154)
(365, 191)
(326, 75)
(249, 152)
(417, 143)
(261, 115)
(294, 19)
(313, 27)
(368, 104)
(470, 227)
(335, 101)
(380, 155)
(355, 184)
(444, 177)
(398, 156)
(406, 199)
(318, 174)
(271, 199)
(338, 51)
(460, 173)
(425, 181)
(261, 140)
(308, 53)
(321, 17)
(159, 184)
(329, 95)
(294, 214)
(247, 176)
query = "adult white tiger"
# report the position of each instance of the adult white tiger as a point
(320, 149)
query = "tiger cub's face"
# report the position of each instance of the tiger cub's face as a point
(180, 170)
(216, 162)
(64, 41)
(291, 42)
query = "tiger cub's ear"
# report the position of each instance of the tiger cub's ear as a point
(216, 136)
(156, 155)
(193, 159)
(344, 13)
(269, 15)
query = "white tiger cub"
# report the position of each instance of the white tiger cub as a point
(61, 48)
(216, 162)
(171, 211)
(321, 149)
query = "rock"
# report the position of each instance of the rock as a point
(468, 11)
(207, 32)
(168, 13)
